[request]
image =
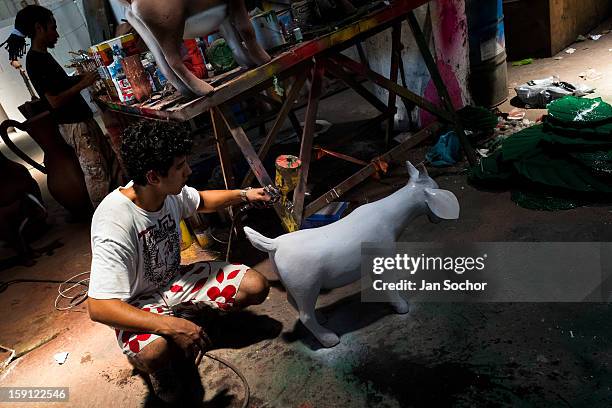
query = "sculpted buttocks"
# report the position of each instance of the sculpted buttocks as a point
(163, 24)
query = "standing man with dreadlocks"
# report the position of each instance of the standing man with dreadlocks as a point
(61, 94)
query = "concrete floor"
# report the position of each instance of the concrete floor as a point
(520, 354)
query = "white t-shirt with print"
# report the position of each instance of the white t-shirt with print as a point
(136, 251)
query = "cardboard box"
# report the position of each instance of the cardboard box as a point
(105, 49)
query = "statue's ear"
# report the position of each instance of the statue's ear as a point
(442, 203)
(424, 171)
(412, 172)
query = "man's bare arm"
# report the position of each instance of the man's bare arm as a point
(59, 100)
(123, 316)
(120, 315)
(213, 200)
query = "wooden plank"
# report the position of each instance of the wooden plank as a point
(568, 19)
(394, 69)
(278, 123)
(362, 55)
(396, 153)
(252, 159)
(383, 82)
(432, 67)
(244, 144)
(307, 137)
(339, 73)
(295, 123)
(409, 106)
(221, 132)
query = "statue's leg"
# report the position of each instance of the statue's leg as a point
(155, 49)
(238, 26)
(172, 53)
(306, 301)
(302, 293)
(165, 45)
(234, 41)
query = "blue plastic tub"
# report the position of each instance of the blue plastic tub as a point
(326, 215)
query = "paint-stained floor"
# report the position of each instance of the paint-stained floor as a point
(519, 354)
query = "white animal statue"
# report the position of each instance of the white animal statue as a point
(330, 256)
(163, 24)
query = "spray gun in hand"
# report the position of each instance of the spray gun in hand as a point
(272, 191)
(287, 170)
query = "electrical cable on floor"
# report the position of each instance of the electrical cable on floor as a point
(178, 311)
(76, 299)
(62, 293)
(247, 390)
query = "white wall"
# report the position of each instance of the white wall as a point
(7, 9)
(450, 40)
(73, 36)
(71, 27)
(12, 89)
(118, 8)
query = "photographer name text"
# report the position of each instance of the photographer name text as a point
(426, 286)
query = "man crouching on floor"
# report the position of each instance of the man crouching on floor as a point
(136, 276)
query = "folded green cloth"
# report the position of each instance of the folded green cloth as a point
(571, 151)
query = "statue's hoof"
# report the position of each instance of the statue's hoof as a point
(329, 340)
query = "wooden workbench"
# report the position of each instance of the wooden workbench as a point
(311, 60)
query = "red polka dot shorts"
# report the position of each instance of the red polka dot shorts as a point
(215, 283)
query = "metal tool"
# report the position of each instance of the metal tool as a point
(275, 195)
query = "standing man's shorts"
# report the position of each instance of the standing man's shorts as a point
(215, 283)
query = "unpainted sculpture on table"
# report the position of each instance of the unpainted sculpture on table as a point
(65, 179)
(163, 24)
(330, 256)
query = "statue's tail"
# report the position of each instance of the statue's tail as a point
(259, 241)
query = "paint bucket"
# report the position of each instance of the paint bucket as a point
(287, 170)
(488, 70)
(267, 30)
(186, 239)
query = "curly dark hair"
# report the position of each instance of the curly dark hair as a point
(25, 23)
(153, 145)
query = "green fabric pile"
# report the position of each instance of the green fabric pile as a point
(562, 163)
